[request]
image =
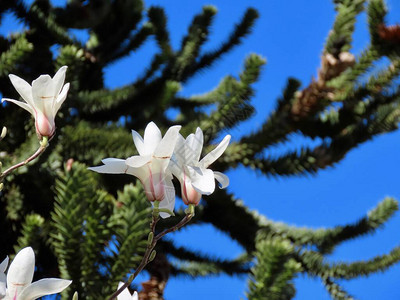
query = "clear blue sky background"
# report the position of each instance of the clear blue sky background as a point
(290, 34)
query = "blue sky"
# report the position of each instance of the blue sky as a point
(290, 34)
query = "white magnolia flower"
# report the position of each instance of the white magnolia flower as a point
(126, 295)
(43, 99)
(194, 176)
(150, 166)
(20, 275)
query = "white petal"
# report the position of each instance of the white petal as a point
(60, 99)
(222, 179)
(23, 88)
(21, 270)
(152, 137)
(135, 296)
(58, 80)
(3, 265)
(179, 151)
(111, 166)
(20, 104)
(138, 161)
(193, 147)
(203, 180)
(169, 200)
(216, 153)
(44, 287)
(43, 94)
(125, 294)
(139, 143)
(3, 290)
(167, 144)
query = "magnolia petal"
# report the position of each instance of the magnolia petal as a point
(125, 294)
(138, 161)
(168, 201)
(43, 94)
(179, 151)
(60, 99)
(3, 265)
(193, 147)
(166, 146)
(111, 166)
(152, 137)
(23, 88)
(58, 80)
(216, 153)
(222, 179)
(203, 180)
(20, 104)
(20, 272)
(139, 142)
(44, 287)
(3, 290)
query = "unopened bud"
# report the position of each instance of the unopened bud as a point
(3, 133)
(150, 238)
(152, 255)
(1, 186)
(75, 296)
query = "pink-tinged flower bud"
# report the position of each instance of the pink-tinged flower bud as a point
(44, 125)
(43, 99)
(189, 194)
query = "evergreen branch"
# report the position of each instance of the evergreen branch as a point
(99, 142)
(242, 29)
(31, 233)
(314, 264)
(234, 105)
(132, 43)
(129, 223)
(277, 126)
(222, 210)
(197, 35)
(275, 269)
(336, 291)
(46, 23)
(362, 65)
(339, 39)
(16, 52)
(326, 239)
(158, 18)
(197, 264)
(376, 12)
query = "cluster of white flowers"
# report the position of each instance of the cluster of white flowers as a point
(18, 285)
(161, 157)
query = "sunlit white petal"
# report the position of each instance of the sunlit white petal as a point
(3, 265)
(125, 294)
(23, 88)
(202, 180)
(216, 153)
(139, 142)
(20, 104)
(166, 146)
(222, 179)
(44, 287)
(20, 272)
(152, 137)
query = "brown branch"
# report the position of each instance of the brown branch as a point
(43, 146)
(150, 246)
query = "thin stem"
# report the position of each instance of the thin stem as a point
(43, 145)
(150, 247)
